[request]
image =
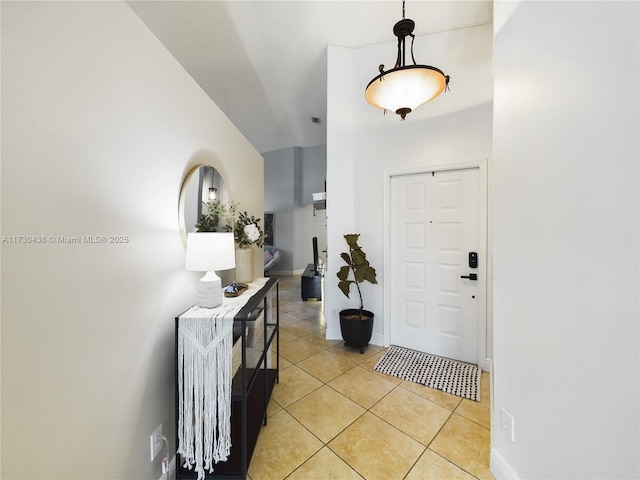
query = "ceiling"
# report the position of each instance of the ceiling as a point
(264, 62)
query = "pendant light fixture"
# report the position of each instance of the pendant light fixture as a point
(405, 87)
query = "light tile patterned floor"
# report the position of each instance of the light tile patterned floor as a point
(332, 417)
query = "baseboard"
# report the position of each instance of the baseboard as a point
(500, 468)
(171, 473)
(279, 272)
(377, 339)
(283, 273)
(333, 333)
(488, 365)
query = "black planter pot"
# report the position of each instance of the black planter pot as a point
(356, 332)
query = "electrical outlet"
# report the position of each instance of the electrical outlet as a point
(156, 442)
(506, 421)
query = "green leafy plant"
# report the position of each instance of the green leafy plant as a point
(210, 221)
(225, 217)
(357, 265)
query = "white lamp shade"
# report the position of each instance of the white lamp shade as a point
(210, 251)
(405, 87)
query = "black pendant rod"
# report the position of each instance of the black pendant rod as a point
(402, 29)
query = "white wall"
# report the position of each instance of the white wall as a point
(363, 144)
(99, 126)
(566, 239)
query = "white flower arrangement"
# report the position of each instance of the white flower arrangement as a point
(247, 230)
(252, 232)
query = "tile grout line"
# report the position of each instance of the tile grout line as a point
(327, 348)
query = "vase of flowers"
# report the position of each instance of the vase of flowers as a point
(247, 232)
(225, 217)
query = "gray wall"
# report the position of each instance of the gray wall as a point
(281, 170)
(313, 172)
(291, 175)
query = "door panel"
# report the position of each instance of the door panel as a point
(434, 225)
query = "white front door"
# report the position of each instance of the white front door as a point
(435, 219)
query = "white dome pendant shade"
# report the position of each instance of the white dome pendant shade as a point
(404, 88)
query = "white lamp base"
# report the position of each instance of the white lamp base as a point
(210, 291)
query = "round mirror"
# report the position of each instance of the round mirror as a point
(201, 185)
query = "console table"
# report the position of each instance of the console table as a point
(254, 372)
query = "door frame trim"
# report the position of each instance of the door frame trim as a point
(483, 262)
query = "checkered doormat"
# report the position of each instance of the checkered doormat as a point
(458, 378)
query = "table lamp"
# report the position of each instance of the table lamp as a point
(207, 252)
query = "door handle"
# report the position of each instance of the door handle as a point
(471, 276)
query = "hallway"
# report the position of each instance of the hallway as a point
(332, 417)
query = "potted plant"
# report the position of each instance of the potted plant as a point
(247, 232)
(356, 324)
